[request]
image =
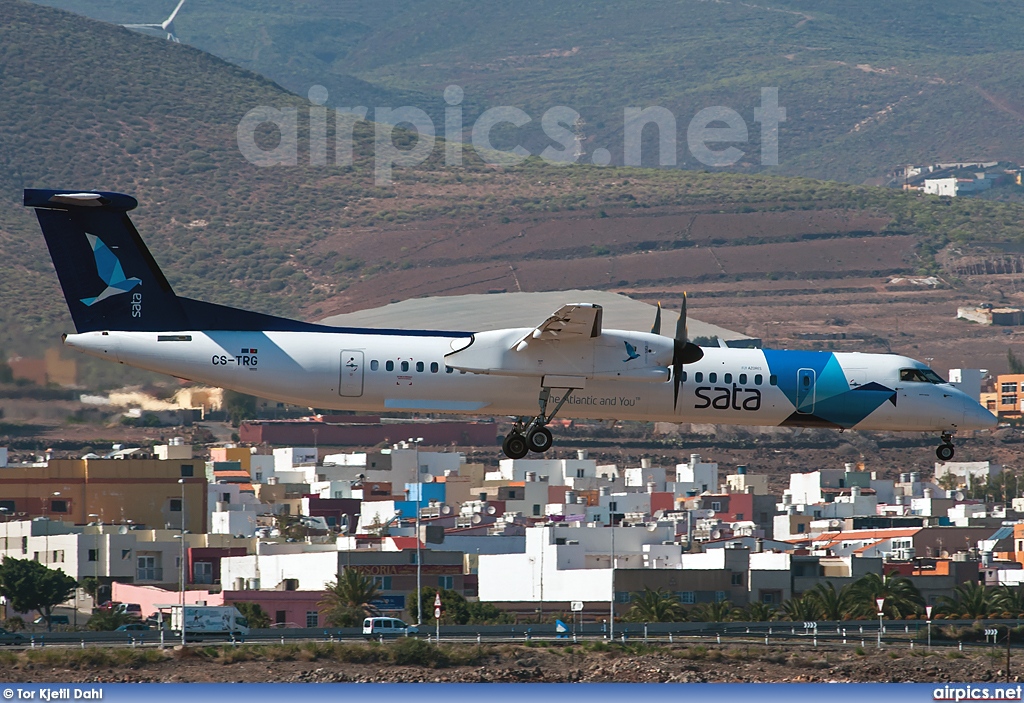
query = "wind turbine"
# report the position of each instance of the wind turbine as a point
(167, 25)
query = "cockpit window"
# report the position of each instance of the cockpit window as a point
(920, 376)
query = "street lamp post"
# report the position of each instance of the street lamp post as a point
(611, 603)
(181, 622)
(419, 560)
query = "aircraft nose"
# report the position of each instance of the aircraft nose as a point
(977, 417)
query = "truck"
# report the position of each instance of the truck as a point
(203, 621)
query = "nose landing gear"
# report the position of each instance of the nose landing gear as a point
(945, 451)
(533, 436)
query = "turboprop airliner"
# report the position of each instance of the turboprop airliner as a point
(124, 310)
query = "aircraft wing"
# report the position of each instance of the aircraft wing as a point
(571, 321)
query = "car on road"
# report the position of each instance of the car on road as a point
(132, 610)
(133, 627)
(387, 627)
(8, 637)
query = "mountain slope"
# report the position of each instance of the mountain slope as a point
(867, 86)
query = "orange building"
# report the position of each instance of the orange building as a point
(1007, 399)
(142, 491)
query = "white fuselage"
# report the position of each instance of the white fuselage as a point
(416, 372)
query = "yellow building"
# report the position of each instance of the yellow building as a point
(140, 491)
(239, 454)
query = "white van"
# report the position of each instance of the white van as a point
(386, 627)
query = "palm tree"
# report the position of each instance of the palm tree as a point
(348, 600)
(1009, 600)
(798, 609)
(970, 600)
(718, 611)
(758, 612)
(901, 596)
(831, 604)
(656, 606)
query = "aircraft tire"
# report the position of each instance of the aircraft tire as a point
(540, 440)
(945, 452)
(515, 446)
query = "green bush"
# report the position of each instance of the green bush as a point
(412, 651)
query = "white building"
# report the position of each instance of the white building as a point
(566, 563)
(696, 477)
(941, 186)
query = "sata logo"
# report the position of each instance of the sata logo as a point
(729, 398)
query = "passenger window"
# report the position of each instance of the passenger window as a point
(449, 369)
(698, 377)
(389, 366)
(758, 379)
(433, 367)
(419, 367)
(743, 379)
(405, 366)
(683, 376)
(712, 377)
(374, 365)
(728, 378)
(773, 380)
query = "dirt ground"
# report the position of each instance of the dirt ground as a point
(513, 663)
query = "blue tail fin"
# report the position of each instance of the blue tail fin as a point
(109, 278)
(111, 281)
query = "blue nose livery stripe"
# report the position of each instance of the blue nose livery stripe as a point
(817, 386)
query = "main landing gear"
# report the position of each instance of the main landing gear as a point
(533, 435)
(945, 450)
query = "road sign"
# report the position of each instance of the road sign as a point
(437, 613)
(437, 599)
(880, 602)
(991, 632)
(928, 611)
(808, 625)
(576, 606)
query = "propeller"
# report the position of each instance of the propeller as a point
(683, 352)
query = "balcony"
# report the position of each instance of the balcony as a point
(151, 574)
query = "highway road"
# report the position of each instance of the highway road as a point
(851, 633)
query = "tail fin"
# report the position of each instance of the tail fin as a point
(109, 278)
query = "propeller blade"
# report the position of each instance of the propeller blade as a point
(681, 323)
(683, 352)
(656, 329)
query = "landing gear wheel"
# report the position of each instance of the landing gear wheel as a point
(540, 440)
(515, 446)
(945, 452)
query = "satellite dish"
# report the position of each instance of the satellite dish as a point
(446, 510)
(834, 523)
(652, 526)
(716, 534)
(122, 530)
(428, 478)
(960, 495)
(477, 519)
(376, 486)
(491, 510)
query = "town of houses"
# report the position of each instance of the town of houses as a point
(275, 527)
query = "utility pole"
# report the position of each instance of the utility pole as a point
(611, 603)
(182, 559)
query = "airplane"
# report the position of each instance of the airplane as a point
(125, 311)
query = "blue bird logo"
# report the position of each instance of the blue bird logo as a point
(630, 352)
(110, 272)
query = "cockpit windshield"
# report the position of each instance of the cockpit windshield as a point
(920, 376)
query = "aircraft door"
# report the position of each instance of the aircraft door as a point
(351, 383)
(805, 391)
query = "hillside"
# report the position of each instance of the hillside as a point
(867, 86)
(89, 105)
